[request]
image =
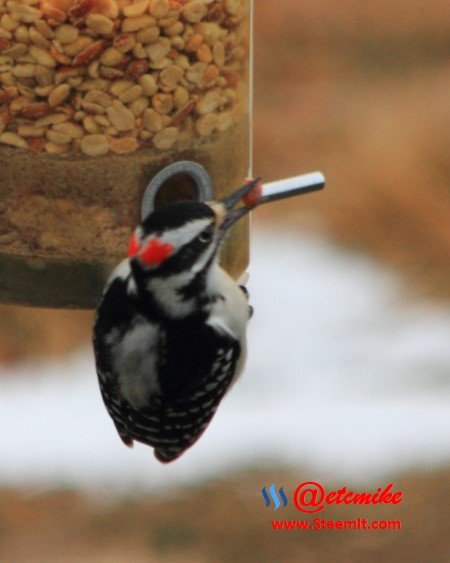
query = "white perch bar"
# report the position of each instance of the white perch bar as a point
(289, 187)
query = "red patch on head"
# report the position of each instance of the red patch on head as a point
(133, 247)
(155, 252)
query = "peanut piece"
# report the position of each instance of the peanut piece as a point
(181, 97)
(70, 129)
(22, 34)
(25, 13)
(136, 9)
(54, 148)
(136, 69)
(29, 131)
(4, 36)
(224, 121)
(162, 103)
(26, 91)
(93, 69)
(120, 116)
(166, 138)
(139, 52)
(233, 7)
(91, 108)
(90, 124)
(94, 145)
(65, 74)
(124, 42)
(59, 95)
(42, 57)
(102, 120)
(159, 8)
(24, 70)
(138, 106)
(209, 102)
(110, 9)
(111, 57)
(120, 86)
(110, 73)
(194, 11)
(111, 131)
(51, 119)
(98, 97)
(53, 13)
(205, 125)
(135, 24)
(157, 51)
(13, 140)
(93, 84)
(152, 121)
(7, 79)
(58, 138)
(132, 94)
(44, 29)
(148, 35)
(34, 110)
(219, 53)
(16, 51)
(8, 23)
(171, 75)
(195, 73)
(99, 24)
(79, 45)
(174, 29)
(123, 145)
(89, 53)
(38, 39)
(204, 53)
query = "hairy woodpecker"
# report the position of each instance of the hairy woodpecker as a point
(169, 334)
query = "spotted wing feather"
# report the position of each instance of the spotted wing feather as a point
(179, 423)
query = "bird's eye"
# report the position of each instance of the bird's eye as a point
(205, 236)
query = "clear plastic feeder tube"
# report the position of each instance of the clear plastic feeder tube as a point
(96, 98)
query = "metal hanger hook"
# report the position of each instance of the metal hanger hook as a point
(195, 171)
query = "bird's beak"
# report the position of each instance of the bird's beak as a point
(230, 201)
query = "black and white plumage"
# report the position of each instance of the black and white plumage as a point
(169, 334)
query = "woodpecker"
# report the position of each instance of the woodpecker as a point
(170, 330)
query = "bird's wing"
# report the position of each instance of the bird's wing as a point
(177, 423)
(112, 312)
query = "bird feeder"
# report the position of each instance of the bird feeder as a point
(102, 101)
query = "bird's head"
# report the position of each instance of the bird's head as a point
(185, 236)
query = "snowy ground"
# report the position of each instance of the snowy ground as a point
(343, 378)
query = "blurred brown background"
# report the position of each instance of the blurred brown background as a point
(359, 91)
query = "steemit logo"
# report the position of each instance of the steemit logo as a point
(274, 496)
(312, 497)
